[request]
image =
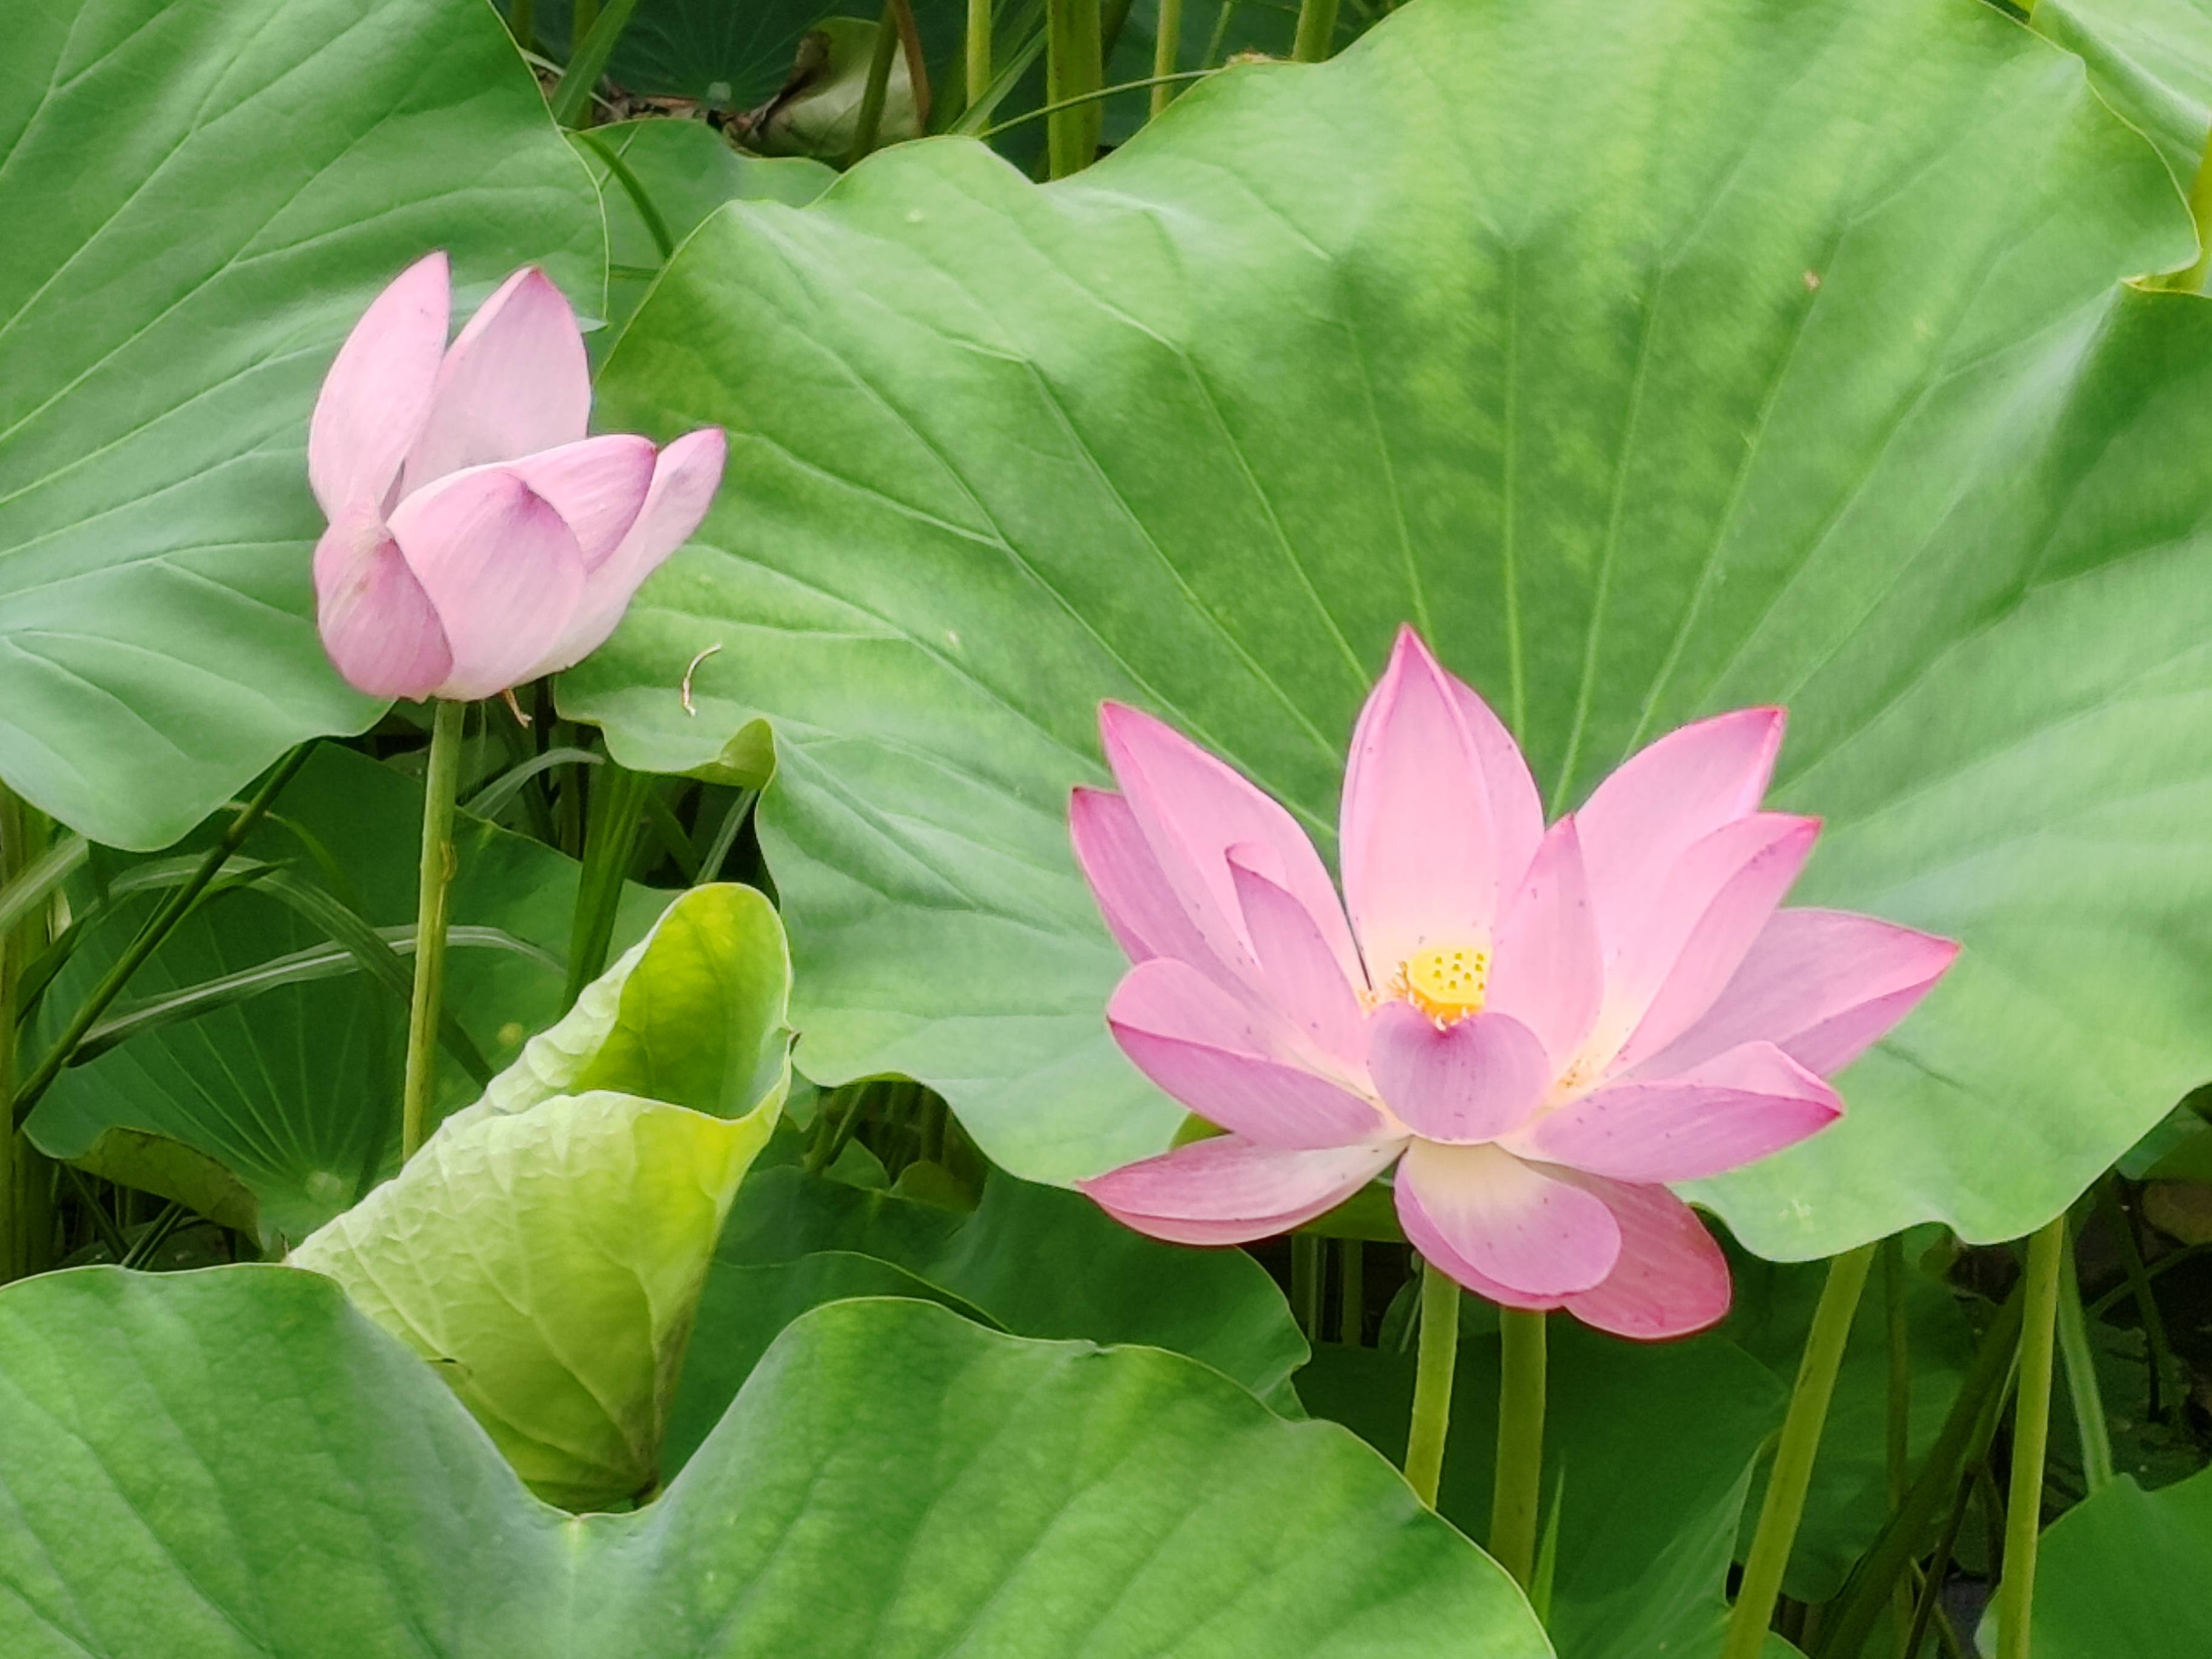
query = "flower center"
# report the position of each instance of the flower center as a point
(1447, 982)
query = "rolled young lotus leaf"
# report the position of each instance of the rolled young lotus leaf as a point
(548, 1263)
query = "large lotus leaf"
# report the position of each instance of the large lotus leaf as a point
(2123, 1571)
(692, 1014)
(1036, 1261)
(2152, 59)
(234, 1465)
(685, 170)
(1654, 361)
(1649, 1454)
(201, 196)
(296, 1089)
(548, 1263)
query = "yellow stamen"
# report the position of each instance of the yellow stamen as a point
(1446, 982)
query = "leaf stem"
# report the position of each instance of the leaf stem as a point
(440, 782)
(1792, 1473)
(870, 124)
(1351, 1311)
(976, 71)
(2031, 1437)
(2088, 1400)
(2167, 1398)
(15, 857)
(522, 23)
(617, 806)
(1432, 1383)
(1167, 43)
(1316, 31)
(1516, 1496)
(1897, 1447)
(158, 927)
(1074, 70)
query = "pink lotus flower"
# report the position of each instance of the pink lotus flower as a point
(477, 538)
(1540, 1029)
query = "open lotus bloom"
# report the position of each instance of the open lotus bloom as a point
(1539, 1028)
(477, 538)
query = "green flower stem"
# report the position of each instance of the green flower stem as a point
(617, 807)
(442, 780)
(1898, 1445)
(870, 124)
(1792, 1472)
(157, 928)
(1167, 40)
(2081, 1379)
(15, 949)
(2031, 1437)
(1316, 31)
(1513, 1500)
(978, 68)
(1074, 68)
(1432, 1383)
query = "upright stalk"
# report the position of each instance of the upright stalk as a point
(1793, 1458)
(441, 781)
(1898, 1445)
(2088, 1400)
(522, 23)
(1316, 31)
(1513, 1500)
(1167, 45)
(870, 124)
(977, 70)
(1432, 1383)
(1351, 1310)
(2031, 1437)
(15, 956)
(1074, 67)
(2168, 1398)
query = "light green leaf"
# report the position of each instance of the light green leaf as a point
(1036, 1261)
(201, 197)
(1654, 361)
(548, 1263)
(692, 1014)
(685, 170)
(2124, 1572)
(893, 1483)
(296, 1089)
(169, 1169)
(2152, 59)
(1650, 1450)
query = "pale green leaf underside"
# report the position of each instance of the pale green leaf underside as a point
(548, 1263)
(1654, 361)
(201, 196)
(893, 1483)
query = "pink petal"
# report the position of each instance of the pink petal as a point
(1192, 809)
(1548, 969)
(1671, 1279)
(1141, 910)
(1300, 975)
(1694, 930)
(1516, 810)
(378, 390)
(514, 382)
(1227, 1190)
(1823, 985)
(1665, 798)
(1472, 1080)
(1228, 1063)
(597, 486)
(1420, 856)
(377, 624)
(1484, 1213)
(685, 479)
(1733, 1110)
(500, 566)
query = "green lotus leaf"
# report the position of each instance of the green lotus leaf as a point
(548, 1263)
(895, 1482)
(692, 1014)
(1654, 362)
(2124, 1572)
(201, 197)
(2152, 59)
